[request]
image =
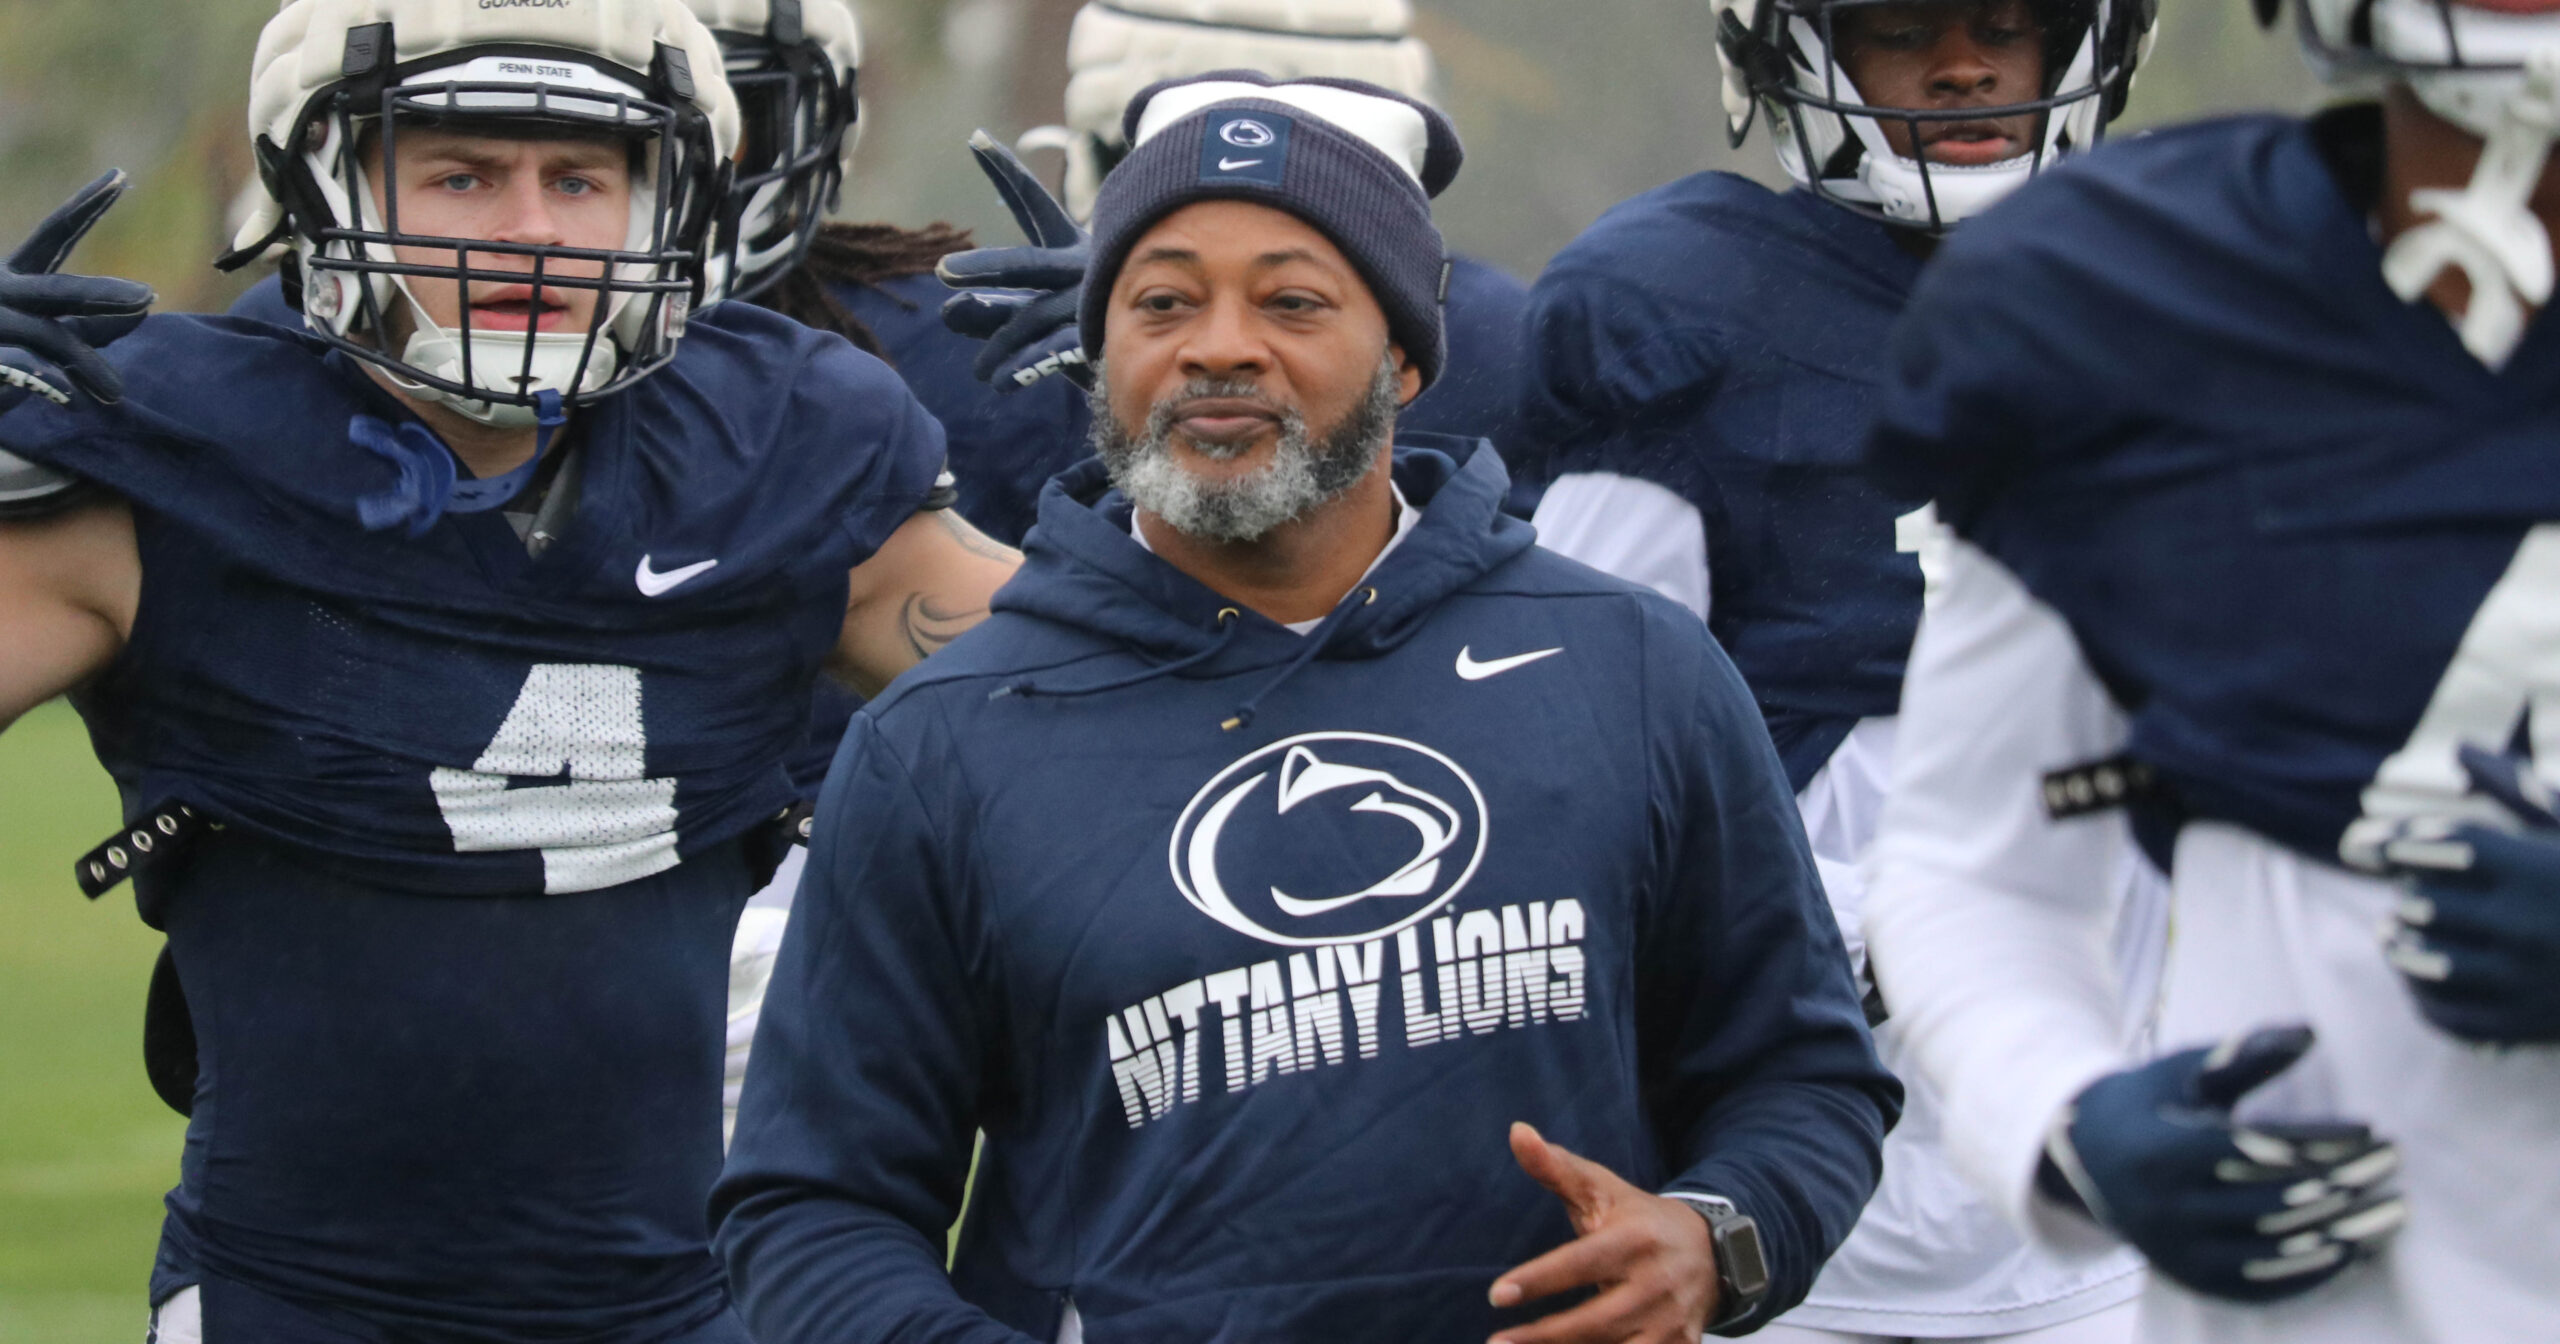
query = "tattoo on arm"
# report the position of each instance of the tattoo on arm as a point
(973, 540)
(928, 626)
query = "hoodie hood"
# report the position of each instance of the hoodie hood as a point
(1081, 569)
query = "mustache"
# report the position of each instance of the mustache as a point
(1160, 417)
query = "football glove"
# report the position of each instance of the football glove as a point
(1022, 301)
(2477, 936)
(51, 325)
(2244, 1212)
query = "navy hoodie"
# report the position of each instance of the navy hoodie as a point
(1244, 948)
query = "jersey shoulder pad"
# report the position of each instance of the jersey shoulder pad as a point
(1652, 240)
(808, 426)
(2095, 297)
(1621, 319)
(184, 408)
(744, 358)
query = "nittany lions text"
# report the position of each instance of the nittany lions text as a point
(1515, 966)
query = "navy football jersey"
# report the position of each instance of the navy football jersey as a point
(831, 705)
(2305, 538)
(457, 957)
(1726, 343)
(448, 712)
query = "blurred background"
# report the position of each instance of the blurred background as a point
(1567, 107)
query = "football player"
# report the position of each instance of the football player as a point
(1116, 49)
(794, 69)
(2246, 430)
(1706, 421)
(445, 652)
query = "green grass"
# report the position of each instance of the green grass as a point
(86, 1150)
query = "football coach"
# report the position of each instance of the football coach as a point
(1301, 869)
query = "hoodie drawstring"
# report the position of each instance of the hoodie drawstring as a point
(1316, 640)
(1230, 620)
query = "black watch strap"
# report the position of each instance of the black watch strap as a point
(1742, 1270)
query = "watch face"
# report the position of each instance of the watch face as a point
(1738, 1257)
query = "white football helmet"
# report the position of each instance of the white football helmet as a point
(1781, 55)
(330, 73)
(793, 66)
(1119, 47)
(2496, 75)
(2464, 63)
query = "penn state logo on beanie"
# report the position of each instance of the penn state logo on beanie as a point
(1358, 162)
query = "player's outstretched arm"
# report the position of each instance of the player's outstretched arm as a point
(69, 584)
(925, 587)
(70, 577)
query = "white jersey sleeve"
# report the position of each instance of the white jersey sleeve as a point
(1989, 924)
(1628, 528)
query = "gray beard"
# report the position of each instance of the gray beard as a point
(1305, 473)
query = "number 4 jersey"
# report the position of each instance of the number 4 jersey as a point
(456, 961)
(445, 712)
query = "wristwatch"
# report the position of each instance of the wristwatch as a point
(1742, 1274)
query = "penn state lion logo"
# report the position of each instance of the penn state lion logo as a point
(1329, 838)
(1246, 133)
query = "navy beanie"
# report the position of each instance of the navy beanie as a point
(1276, 152)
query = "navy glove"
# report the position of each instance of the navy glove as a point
(2478, 936)
(1022, 301)
(51, 324)
(2250, 1213)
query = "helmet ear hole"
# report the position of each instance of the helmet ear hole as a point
(2266, 10)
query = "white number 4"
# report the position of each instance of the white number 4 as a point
(608, 824)
(2505, 674)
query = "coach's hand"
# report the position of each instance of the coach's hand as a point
(1022, 301)
(1650, 1258)
(51, 324)
(2478, 936)
(2244, 1212)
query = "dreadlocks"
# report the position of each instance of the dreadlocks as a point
(857, 254)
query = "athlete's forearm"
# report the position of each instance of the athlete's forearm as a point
(930, 583)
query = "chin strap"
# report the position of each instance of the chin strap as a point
(2485, 229)
(429, 487)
